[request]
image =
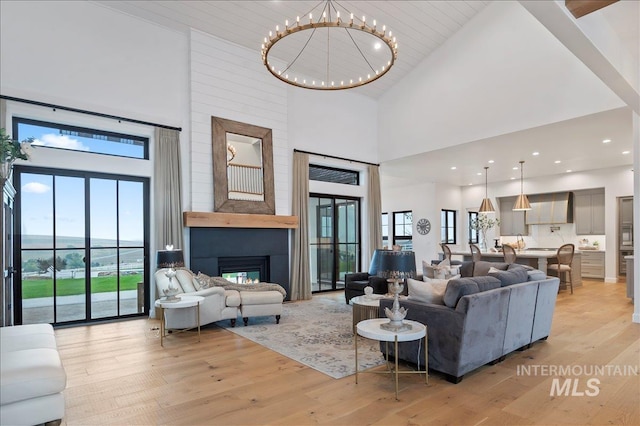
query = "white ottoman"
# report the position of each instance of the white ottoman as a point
(260, 304)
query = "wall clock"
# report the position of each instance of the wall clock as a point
(423, 226)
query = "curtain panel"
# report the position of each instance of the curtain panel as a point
(167, 189)
(374, 206)
(300, 267)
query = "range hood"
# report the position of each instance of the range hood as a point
(550, 208)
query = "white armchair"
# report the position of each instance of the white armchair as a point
(218, 304)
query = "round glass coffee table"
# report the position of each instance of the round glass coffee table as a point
(370, 329)
(182, 303)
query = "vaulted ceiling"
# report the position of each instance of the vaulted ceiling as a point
(421, 27)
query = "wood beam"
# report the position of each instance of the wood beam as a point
(238, 220)
(579, 8)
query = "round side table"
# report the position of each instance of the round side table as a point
(370, 329)
(183, 303)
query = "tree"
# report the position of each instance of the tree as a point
(74, 260)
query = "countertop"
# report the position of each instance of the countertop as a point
(532, 254)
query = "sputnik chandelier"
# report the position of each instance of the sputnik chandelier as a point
(329, 48)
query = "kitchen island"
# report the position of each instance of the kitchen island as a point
(534, 258)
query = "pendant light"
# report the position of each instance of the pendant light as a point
(486, 206)
(522, 202)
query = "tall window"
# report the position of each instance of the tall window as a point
(402, 229)
(385, 229)
(448, 226)
(473, 233)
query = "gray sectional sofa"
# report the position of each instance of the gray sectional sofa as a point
(483, 318)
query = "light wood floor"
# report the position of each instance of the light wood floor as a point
(119, 374)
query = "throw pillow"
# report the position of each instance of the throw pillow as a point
(513, 276)
(536, 275)
(442, 270)
(203, 280)
(427, 291)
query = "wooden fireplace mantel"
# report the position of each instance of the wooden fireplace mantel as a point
(238, 220)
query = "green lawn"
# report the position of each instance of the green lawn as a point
(71, 286)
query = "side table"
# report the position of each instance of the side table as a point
(365, 307)
(184, 302)
(370, 329)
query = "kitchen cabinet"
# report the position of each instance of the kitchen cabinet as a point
(589, 212)
(592, 264)
(511, 223)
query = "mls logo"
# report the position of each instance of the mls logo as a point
(571, 387)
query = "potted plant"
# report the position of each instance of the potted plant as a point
(483, 223)
(10, 151)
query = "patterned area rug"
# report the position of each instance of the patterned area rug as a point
(317, 333)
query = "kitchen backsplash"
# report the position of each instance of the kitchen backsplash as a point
(542, 236)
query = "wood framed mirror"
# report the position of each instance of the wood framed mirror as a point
(242, 167)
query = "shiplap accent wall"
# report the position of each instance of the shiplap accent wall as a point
(229, 81)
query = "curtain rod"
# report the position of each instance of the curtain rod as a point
(335, 157)
(83, 111)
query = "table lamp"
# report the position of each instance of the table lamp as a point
(395, 266)
(170, 259)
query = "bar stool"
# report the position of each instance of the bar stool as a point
(563, 264)
(476, 254)
(509, 254)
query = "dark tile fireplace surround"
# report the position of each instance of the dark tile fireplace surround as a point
(211, 247)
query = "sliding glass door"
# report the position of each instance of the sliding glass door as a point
(82, 247)
(334, 240)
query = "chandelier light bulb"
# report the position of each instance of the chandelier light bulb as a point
(310, 18)
(351, 20)
(286, 24)
(297, 21)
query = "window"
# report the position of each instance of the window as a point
(333, 175)
(385, 229)
(402, 229)
(473, 233)
(448, 224)
(61, 136)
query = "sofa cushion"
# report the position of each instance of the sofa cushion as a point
(431, 290)
(481, 268)
(510, 277)
(185, 278)
(536, 275)
(458, 288)
(232, 298)
(486, 283)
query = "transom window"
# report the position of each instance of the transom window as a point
(333, 175)
(73, 138)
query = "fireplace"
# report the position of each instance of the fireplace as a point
(244, 269)
(239, 249)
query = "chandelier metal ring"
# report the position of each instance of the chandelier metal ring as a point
(382, 35)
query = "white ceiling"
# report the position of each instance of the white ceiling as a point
(421, 27)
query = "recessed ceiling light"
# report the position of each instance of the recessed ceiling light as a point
(606, 140)
(453, 167)
(479, 174)
(491, 161)
(569, 171)
(515, 168)
(470, 184)
(557, 161)
(535, 153)
(377, 46)
(513, 178)
(626, 152)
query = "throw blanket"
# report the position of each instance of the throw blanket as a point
(228, 285)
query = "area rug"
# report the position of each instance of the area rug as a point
(317, 333)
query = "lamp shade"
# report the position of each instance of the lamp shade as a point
(522, 203)
(396, 264)
(486, 206)
(375, 260)
(169, 258)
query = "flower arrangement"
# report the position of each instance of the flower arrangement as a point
(10, 151)
(484, 223)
